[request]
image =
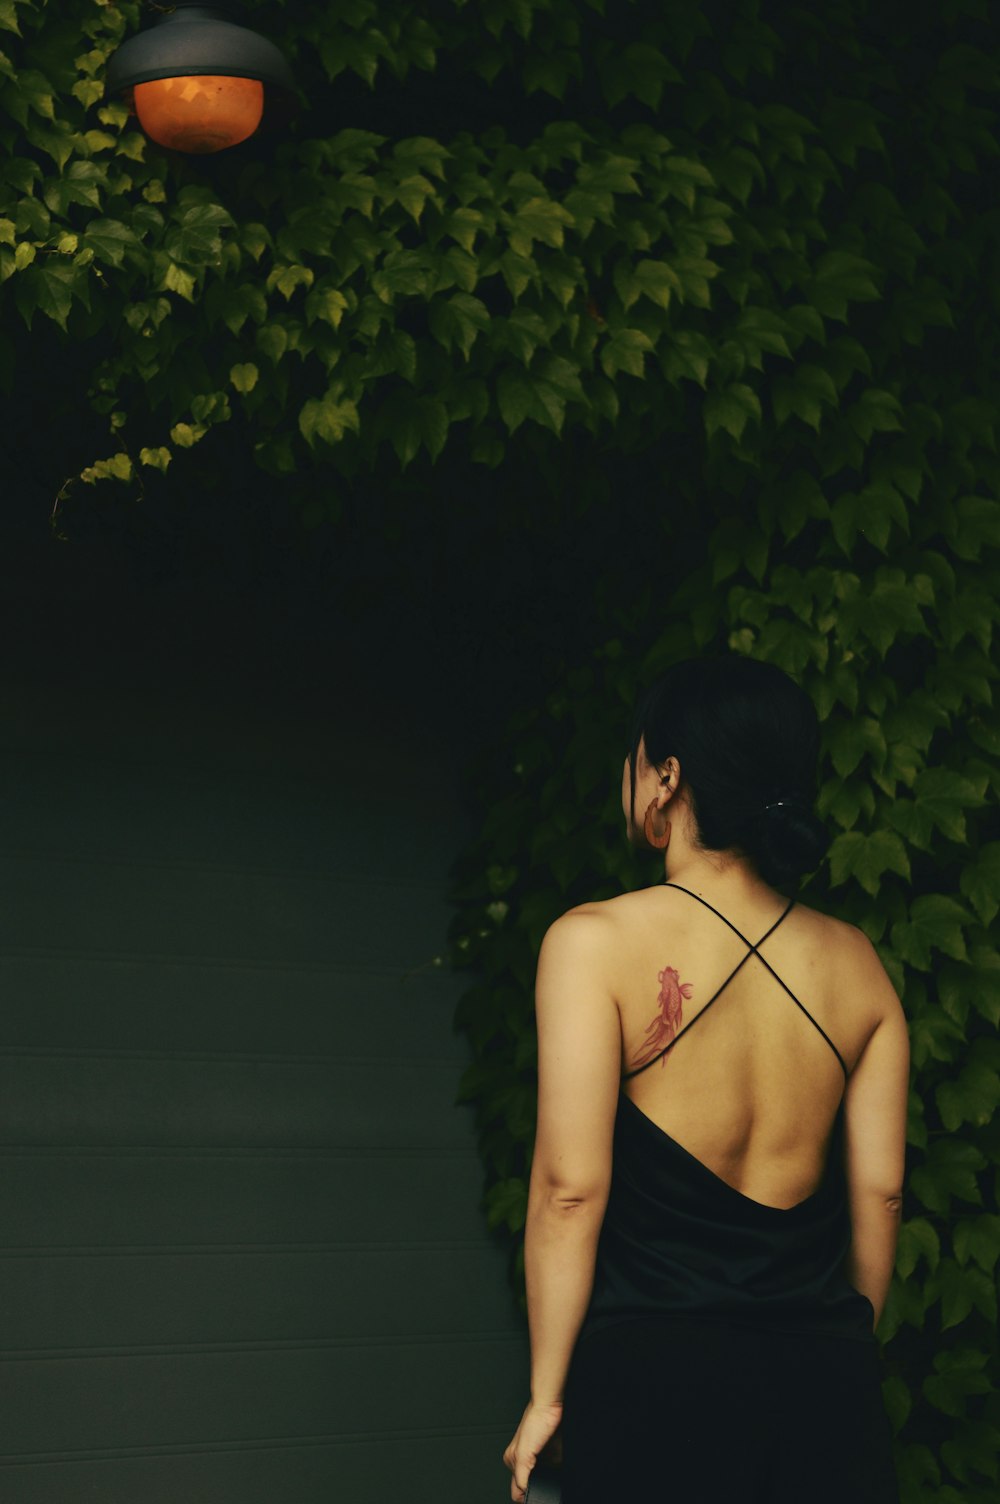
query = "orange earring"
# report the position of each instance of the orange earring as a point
(660, 842)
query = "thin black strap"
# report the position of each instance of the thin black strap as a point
(648, 1063)
(753, 951)
(725, 984)
(770, 968)
(764, 962)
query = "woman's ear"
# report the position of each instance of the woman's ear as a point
(665, 770)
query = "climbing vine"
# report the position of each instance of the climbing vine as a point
(744, 264)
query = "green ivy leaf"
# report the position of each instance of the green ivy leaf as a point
(686, 169)
(933, 1037)
(81, 183)
(935, 921)
(730, 410)
(917, 1239)
(33, 92)
(875, 411)
(518, 272)
(959, 1371)
(867, 858)
(841, 277)
(421, 152)
(410, 422)
(234, 303)
(118, 467)
(972, 1098)
(616, 174)
(976, 985)
(49, 289)
(405, 272)
(184, 435)
(463, 225)
(394, 350)
(457, 321)
(940, 798)
(61, 142)
(507, 1201)
(196, 238)
(108, 239)
(978, 1239)
(803, 395)
(175, 279)
(413, 192)
(960, 1290)
(328, 418)
(550, 72)
(287, 278)
(849, 740)
(326, 303)
(974, 524)
(625, 351)
(655, 280)
(763, 329)
(255, 239)
(980, 880)
(88, 91)
(160, 457)
(521, 395)
(537, 219)
(639, 70)
(949, 1170)
(244, 377)
(272, 341)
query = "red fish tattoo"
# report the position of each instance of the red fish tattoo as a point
(663, 1028)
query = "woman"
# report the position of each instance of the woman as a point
(712, 1231)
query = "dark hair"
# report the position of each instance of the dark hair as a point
(745, 735)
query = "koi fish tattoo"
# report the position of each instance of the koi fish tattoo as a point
(665, 1025)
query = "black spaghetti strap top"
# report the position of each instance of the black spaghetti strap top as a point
(679, 1241)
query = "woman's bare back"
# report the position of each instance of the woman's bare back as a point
(752, 1089)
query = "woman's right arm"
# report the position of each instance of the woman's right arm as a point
(875, 1105)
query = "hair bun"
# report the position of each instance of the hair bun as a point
(791, 803)
(792, 839)
(721, 715)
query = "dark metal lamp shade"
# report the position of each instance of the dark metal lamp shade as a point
(196, 39)
(201, 41)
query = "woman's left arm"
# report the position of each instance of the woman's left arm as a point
(579, 1070)
(560, 1252)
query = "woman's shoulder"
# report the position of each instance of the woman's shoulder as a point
(833, 958)
(613, 911)
(638, 904)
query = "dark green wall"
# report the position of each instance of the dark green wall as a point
(241, 1254)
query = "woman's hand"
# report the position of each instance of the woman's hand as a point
(539, 1424)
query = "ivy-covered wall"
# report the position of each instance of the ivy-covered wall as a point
(720, 279)
(346, 290)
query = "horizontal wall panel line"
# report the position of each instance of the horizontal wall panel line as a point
(53, 858)
(51, 955)
(234, 1151)
(462, 1337)
(251, 780)
(271, 1443)
(230, 1057)
(211, 1250)
(214, 963)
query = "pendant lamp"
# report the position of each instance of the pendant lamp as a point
(198, 81)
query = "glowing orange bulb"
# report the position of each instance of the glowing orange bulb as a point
(200, 112)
